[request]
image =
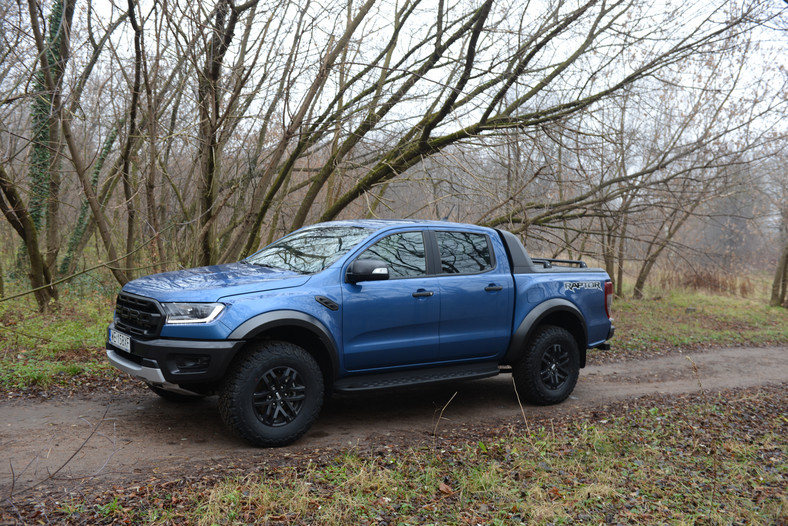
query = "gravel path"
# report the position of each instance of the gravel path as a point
(135, 434)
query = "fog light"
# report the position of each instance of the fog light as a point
(192, 363)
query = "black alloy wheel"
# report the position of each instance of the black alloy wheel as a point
(273, 394)
(555, 367)
(279, 396)
(547, 372)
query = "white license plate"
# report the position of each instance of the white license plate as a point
(120, 340)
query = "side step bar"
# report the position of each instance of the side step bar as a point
(417, 376)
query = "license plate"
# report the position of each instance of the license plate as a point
(120, 340)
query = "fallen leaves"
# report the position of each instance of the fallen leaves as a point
(657, 459)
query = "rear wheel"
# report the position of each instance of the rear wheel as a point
(272, 396)
(548, 371)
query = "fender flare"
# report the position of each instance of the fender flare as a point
(291, 318)
(534, 318)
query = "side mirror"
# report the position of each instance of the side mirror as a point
(367, 270)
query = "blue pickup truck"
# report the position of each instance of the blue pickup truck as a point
(357, 305)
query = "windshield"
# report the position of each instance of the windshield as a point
(310, 249)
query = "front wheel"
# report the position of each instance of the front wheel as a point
(272, 396)
(548, 371)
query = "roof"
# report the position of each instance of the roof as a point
(380, 224)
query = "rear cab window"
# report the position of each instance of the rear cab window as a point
(464, 252)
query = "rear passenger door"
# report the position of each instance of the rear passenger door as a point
(476, 296)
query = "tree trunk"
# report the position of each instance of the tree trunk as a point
(76, 154)
(129, 187)
(673, 224)
(780, 283)
(619, 279)
(19, 217)
(84, 226)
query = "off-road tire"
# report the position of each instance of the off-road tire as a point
(171, 396)
(548, 370)
(272, 395)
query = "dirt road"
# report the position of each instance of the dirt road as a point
(136, 434)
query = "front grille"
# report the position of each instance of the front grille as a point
(138, 315)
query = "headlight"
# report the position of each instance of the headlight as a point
(191, 312)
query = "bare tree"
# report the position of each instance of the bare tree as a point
(777, 195)
(41, 213)
(635, 168)
(191, 133)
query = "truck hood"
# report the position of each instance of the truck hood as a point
(209, 284)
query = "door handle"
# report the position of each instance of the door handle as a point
(423, 294)
(492, 287)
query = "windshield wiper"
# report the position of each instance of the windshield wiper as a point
(280, 269)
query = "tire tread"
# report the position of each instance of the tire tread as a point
(526, 371)
(231, 396)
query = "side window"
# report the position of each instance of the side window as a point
(404, 254)
(464, 253)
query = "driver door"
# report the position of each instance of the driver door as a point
(393, 322)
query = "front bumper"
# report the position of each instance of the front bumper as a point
(164, 361)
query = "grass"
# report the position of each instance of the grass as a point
(686, 460)
(43, 350)
(39, 351)
(697, 461)
(682, 318)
